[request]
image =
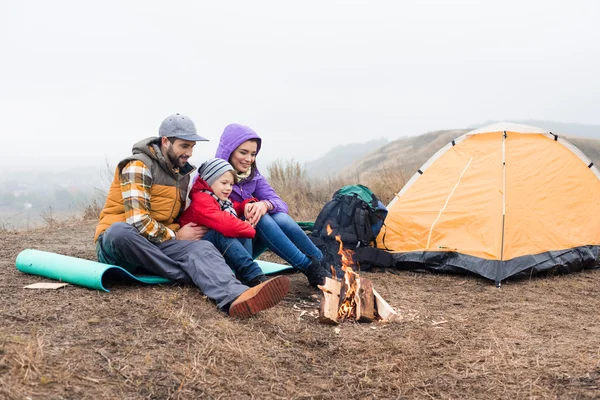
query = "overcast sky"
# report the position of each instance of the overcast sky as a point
(82, 81)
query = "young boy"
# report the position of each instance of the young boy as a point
(210, 206)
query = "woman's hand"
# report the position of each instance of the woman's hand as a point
(254, 212)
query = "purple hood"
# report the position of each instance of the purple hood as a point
(232, 137)
(255, 185)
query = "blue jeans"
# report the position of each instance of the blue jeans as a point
(281, 234)
(236, 255)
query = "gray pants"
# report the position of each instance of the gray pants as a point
(196, 261)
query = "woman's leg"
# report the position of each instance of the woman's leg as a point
(276, 238)
(297, 235)
(271, 234)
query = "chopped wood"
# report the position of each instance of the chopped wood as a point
(365, 300)
(369, 305)
(385, 311)
(46, 285)
(330, 304)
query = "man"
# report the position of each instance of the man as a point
(137, 228)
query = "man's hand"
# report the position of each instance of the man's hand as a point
(191, 231)
(254, 211)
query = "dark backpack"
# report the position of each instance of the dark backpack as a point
(356, 215)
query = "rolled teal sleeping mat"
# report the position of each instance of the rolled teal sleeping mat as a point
(92, 274)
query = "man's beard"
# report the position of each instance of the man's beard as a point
(176, 161)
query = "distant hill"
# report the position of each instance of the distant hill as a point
(341, 157)
(406, 155)
(565, 128)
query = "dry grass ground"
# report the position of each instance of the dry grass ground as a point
(460, 337)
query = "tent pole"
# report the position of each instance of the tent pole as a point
(501, 263)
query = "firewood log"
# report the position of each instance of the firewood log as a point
(365, 300)
(385, 311)
(330, 304)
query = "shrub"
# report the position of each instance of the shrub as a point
(306, 197)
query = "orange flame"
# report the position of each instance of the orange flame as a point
(347, 309)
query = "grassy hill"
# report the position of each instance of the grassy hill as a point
(403, 156)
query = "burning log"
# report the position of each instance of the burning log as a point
(330, 304)
(365, 300)
(361, 304)
(353, 299)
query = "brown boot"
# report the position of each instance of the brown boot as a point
(260, 297)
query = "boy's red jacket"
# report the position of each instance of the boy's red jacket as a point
(205, 210)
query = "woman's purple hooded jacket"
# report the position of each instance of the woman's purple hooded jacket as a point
(255, 185)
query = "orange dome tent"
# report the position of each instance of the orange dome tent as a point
(498, 201)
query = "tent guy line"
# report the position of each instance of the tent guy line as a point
(447, 200)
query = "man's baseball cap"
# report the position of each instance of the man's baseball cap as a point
(180, 127)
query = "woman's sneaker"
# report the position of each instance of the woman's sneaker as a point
(315, 273)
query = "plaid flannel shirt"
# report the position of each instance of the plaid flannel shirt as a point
(136, 181)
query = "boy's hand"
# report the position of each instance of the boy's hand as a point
(191, 231)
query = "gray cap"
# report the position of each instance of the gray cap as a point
(212, 170)
(180, 127)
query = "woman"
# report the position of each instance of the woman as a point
(275, 229)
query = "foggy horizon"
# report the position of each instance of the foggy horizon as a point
(81, 83)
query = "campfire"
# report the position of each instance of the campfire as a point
(353, 298)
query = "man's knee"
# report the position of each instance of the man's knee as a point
(208, 253)
(108, 246)
(118, 233)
